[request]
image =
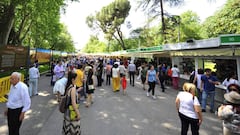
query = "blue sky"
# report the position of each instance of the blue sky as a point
(76, 14)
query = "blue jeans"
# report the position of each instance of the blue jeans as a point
(205, 94)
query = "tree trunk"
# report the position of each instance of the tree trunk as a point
(163, 23)
(6, 24)
(25, 34)
(121, 39)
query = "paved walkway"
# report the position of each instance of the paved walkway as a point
(111, 114)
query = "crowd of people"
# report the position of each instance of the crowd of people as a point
(76, 78)
(115, 72)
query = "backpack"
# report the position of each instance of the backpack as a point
(64, 102)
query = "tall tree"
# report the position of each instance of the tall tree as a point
(190, 27)
(110, 19)
(155, 9)
(94, 45)
(30, 21)
(224, 21)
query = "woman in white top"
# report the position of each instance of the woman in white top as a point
(116, 78)
(122, 69)
(175, 76)
(230, 80)
(59, 87)
(189, 109)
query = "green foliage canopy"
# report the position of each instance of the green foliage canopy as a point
(224, 21)
(94, 45)
(110, 19)
(32, 22)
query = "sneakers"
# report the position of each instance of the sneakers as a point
(147, 94)
(154, 97)
(203, 110)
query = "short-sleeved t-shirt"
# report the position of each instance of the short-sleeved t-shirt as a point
(79, 78)
(175, 72)
(207, 85)
(115, 72)
(187, 103)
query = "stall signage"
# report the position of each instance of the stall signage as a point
(230, 39)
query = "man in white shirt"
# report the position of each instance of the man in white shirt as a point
(33, 80)
(18, 103)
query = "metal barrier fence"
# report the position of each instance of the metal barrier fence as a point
(5, 87)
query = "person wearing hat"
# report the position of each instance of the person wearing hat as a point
(233, 87)
(230, 113)
(231, 79)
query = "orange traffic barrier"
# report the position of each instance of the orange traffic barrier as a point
(5, 87)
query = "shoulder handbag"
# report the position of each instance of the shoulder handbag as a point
(64, 103)
(91, 87)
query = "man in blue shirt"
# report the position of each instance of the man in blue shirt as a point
(208, 89)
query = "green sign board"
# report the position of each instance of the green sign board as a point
(132, 50)
(230, 39)
(147, 49)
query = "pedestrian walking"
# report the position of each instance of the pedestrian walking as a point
(108, 73)
(132, 71)
(151, 79)
(189, 109)
(89, 87)
(115, 78)
(122, 69)
(162, 76)
(124, 83)
(169, 76)
(139, 69)
(229, 112)
(175, 76)
(71, 122)
(143, 75)
(99, 72)
(59, 70)
(53, 76)
(33, 80)
(18, 103)
(80, 81)
(208, 83)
